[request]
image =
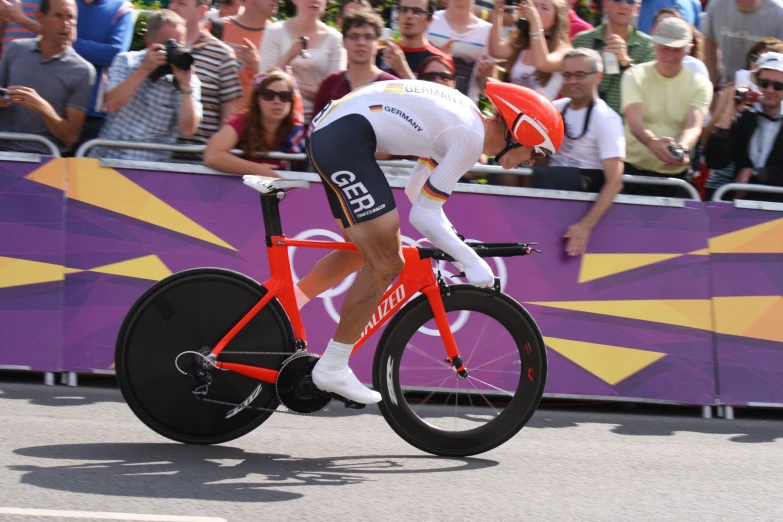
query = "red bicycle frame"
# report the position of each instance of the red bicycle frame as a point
(417, 276)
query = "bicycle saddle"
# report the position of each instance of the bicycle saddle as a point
(269, 185)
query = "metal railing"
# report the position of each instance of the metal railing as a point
(666, 182)
(748, 187)
(165, 147)
(18, 136)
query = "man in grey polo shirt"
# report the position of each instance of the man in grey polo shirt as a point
(48, 84)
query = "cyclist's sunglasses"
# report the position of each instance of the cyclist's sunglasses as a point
(269, 95)
(511, 145)
(764, 83)
(432, 76)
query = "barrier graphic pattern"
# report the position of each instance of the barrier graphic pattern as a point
(666, 300)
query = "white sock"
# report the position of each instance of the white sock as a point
(336, 355)
(301, 298)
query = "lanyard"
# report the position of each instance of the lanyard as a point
(587, 119)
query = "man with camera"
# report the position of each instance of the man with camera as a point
(154, 94)
(752, 138)
(664, 105)
(45, 84)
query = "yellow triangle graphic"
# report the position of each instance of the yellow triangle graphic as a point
(51, 173)
(106, 188)
(757, 317)
(691, 313)
(596, 266)
(20, 272)
(611, 364)
(702, 252)
(147, 267)
(765, 238)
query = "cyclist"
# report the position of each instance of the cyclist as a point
(448, 133)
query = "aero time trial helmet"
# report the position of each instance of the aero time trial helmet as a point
(531, 118)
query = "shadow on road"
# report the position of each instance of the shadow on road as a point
(29, 388)
(213, 472)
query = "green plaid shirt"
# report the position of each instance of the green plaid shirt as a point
(640, 50)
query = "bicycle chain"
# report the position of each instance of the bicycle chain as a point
(258, 408)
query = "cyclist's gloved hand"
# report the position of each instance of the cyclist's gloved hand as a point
(480, 274)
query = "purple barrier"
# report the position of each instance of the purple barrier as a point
(746, 252)
(31, 265)
(631, 319)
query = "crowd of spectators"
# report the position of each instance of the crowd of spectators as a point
(674, 89)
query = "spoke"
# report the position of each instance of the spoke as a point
(497, 413)
(427, 368)
(493, 371)
(501, 334)
(492, 386)
(456, 404)
(425, 354)
(494, 360)
(432, 393)
(480, 335)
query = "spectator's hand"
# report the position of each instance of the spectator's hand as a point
(577, 235)
(262, 169)
(248, 53)
(660, 147)
(528, 10)
(183, 77)
(4, 103)
(448, 47)
(11, 10)
(28, 98)
(615, 44)
(499, 6)
(294, 51)
(156, 56)
(483, 71)
(394, 57)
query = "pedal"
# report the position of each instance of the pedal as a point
(308, 384)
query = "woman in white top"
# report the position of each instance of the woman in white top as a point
(282, 46)
(534, 50)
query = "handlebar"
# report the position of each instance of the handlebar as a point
(483, 250)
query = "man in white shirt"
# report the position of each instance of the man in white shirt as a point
(470, 46)
(594, 140)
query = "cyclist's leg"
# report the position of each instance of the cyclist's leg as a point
(361, 197)
(330, 270)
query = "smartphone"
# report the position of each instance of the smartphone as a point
(4, 93)
(611, 63)
(305, 41)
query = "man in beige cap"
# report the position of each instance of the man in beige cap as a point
(664, 105)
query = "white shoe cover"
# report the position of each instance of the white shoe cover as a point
(343, 382)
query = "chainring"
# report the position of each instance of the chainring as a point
(295, 371)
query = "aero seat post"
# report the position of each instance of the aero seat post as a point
(270, 206)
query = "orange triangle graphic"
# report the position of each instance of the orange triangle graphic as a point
(147, 267)
(611, 364)
(764, 238)
(596, 266)
(691, 313)
(757, 317)
(106, 188)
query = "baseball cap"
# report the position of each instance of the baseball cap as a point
(673, 32)
(769, 60)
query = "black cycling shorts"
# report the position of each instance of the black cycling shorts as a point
(343, 153)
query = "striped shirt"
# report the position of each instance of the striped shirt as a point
(218, 72)
(15, 31)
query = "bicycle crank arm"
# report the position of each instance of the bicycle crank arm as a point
(309, 385)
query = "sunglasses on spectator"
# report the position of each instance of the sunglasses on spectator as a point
(355, 37)
(764, 83)
(629, 2)
(415, 11)
(431, 76)
(269, 95)
(581, 75)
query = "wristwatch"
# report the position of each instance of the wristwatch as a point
(185, 91)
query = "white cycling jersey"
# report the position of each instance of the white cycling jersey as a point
(439, 125)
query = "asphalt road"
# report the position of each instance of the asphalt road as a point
(79, 453)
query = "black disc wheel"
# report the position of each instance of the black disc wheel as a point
(192, 311)
(432, 407)
(295, 385)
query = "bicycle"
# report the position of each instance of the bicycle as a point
(213, 326)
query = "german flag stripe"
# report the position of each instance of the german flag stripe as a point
(376, 108)
(394, 87)
(429, 162)
(340, 198)
(430, 192)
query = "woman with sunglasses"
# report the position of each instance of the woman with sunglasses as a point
(439, 70)
(536, 48)
(266, 126)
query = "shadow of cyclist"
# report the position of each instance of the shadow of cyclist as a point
(212, 472)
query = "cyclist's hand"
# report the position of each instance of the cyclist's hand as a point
(480, 274)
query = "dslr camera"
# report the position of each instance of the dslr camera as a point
(176, 55)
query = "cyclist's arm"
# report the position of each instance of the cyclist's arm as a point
(463, 148)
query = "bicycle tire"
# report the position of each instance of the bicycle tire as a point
(398, 414)
(193, 310)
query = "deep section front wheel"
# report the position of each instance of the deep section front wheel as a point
(429, 405)
(192, 311)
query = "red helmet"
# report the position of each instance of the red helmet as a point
(532, 119)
